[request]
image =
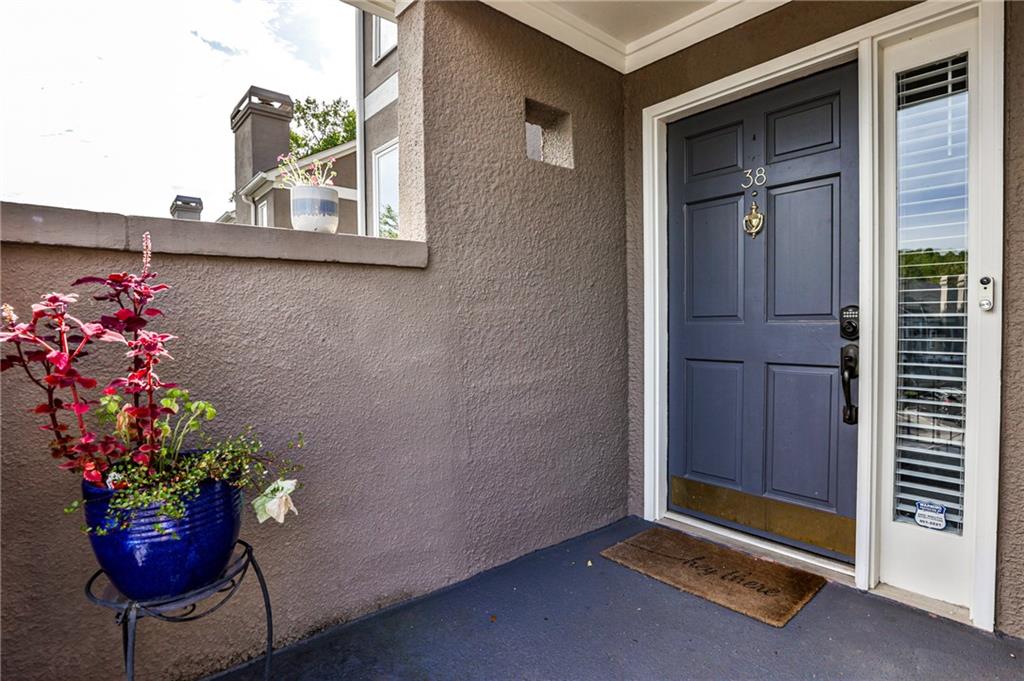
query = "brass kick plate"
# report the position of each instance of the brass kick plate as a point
(810, 526)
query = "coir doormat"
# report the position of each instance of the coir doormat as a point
(766, 591)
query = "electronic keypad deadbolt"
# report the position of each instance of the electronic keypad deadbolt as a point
(849, 322)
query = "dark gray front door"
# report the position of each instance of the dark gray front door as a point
(757, 439)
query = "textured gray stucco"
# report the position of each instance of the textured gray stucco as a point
(457, 416)
(1010, 561)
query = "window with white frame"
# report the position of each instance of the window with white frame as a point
(385, 37)
(385, 190)
(262, 214)
(932, 221)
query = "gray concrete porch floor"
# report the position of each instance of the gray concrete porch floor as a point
(549, 615)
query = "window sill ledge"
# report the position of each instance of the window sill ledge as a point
(51, 226)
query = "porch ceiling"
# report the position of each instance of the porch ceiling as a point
(630, 35)
(623, 35)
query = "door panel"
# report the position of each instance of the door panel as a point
(715, 259)
(803, 258)
(756, 438)
(714, 449)
(715, 152)
(804, 129)
(802, 447)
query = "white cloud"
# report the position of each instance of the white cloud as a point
(120, 105)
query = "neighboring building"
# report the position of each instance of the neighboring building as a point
(261, 123)
(377, 111)
(186, 208)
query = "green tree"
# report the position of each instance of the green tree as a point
(388, 227)
(928, 262)
(320, 125)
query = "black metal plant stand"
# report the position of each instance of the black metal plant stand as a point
(183, 608)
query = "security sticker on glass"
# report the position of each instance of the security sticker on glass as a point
(930, 515)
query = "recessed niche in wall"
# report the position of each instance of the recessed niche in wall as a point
(548, 134)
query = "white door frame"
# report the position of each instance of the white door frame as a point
(863, 43)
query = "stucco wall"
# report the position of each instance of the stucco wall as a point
(484, 200)
(456, 417)
(1010, 575)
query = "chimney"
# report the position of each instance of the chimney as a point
(260, 123)
(186, 207)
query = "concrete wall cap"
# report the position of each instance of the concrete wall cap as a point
(51, 226)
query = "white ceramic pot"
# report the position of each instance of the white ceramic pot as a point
(315, 209)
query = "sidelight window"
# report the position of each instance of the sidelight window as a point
(932, 227)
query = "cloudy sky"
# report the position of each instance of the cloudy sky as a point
(119, 105)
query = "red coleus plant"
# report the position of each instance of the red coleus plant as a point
(49, 348)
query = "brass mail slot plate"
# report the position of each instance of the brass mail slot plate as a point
(819, 528)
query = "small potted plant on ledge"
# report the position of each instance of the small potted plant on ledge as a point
(162, 501)
(314, 200)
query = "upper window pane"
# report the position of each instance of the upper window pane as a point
(932, 220)
(385, 172)
(262, 214)
(385, 37)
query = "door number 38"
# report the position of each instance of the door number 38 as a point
(754, 177)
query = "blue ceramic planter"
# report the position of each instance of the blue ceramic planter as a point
(315, 209)
(145, 564)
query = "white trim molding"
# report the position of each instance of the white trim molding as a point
(338, 151)
(864, 44)
(720, 15)
(379, 8)
(346, 193)
(402, 5)
(360, 126)
(564, 26)
(382, 95)
(991, 134)
(389, 9)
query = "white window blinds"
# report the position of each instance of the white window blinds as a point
(931, 380)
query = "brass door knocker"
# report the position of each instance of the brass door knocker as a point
(753, 222)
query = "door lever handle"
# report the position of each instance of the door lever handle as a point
(849, 360)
